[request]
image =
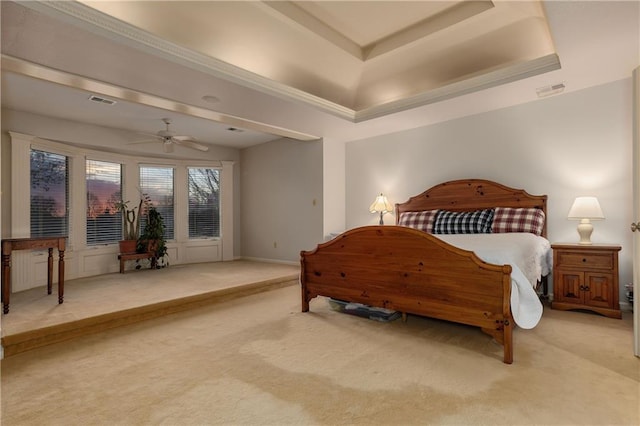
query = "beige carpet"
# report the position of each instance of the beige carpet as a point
(103, 294)
(95, 304)
(259, 360)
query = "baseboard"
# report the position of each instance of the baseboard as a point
(626, 306)
(259, 259)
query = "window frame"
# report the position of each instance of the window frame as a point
(215, 225)
(181, 250)
(169, 222)
(68, 188)
(118, 195)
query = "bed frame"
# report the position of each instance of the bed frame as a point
(413, 272)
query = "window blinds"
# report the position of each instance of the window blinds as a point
(49, 194)
(104, 190)
(204, 203)
(157, 184)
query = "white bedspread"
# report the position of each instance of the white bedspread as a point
(530, 258)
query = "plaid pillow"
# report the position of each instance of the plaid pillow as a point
(419, 220)
(477, 222)
(506, 219)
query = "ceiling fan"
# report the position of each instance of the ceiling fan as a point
(169, 139)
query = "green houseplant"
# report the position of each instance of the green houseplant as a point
(152, 239)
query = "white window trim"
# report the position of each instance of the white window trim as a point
(21, 145)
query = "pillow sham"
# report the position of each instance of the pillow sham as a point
(419, 220)
(476, 222)
(508, 219)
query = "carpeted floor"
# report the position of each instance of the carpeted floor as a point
(259, 360)
(95, 304)
(103, 294)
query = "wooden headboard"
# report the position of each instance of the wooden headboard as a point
(472, 194)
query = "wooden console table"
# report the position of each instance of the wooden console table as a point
(10, 244)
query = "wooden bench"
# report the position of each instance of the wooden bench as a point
(123, 257)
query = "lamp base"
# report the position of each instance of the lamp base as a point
(585, 229)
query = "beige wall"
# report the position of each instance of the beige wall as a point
(563, 146)
(282, 204)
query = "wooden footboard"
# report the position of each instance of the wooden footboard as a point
(407, 270)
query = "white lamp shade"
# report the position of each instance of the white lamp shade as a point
(585, 208)
(381, 205)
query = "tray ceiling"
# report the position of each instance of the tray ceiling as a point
(356, 59)
(336, 70)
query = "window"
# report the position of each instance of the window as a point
(49, 194)
(104, 190)
(204, 202)
(157, 184)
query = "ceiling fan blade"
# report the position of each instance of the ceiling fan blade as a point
(190, 144)
(168, 139)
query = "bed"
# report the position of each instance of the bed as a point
(425, 266)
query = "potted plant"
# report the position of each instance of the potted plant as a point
(130, 226)
(151, 240)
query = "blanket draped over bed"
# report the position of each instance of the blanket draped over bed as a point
(412, 271)
(530, 259)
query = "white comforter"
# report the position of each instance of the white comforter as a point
(530, 258)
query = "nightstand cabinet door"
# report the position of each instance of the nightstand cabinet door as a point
(599, 291)
(586, 277)
(569, 288)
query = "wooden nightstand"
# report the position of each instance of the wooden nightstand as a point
(586, 277)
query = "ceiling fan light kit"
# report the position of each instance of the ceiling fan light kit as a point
(169, 139)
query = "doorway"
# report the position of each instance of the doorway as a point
(636, 209)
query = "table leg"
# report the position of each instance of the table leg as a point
(6, 281)
(61, 276)
(49, 270)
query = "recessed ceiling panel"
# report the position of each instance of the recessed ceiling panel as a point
(350, 53)
(366, 23)
(344, 57)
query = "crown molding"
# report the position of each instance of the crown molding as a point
(479, 82)
(30, 69)
(121, 32)
(99, 23)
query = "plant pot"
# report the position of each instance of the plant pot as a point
(128, 246)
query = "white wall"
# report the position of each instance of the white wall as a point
(107, 144)
(563, 146)
(83, 134)
(333, 186)
(282, 205)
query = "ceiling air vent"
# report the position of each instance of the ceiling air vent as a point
(101, 100)
(550, 90)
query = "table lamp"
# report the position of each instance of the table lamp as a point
(381, 205)
(585, 209)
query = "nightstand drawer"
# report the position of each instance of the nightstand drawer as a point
(570, 259)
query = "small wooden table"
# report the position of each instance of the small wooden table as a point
(10, 244)
(123, 257)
